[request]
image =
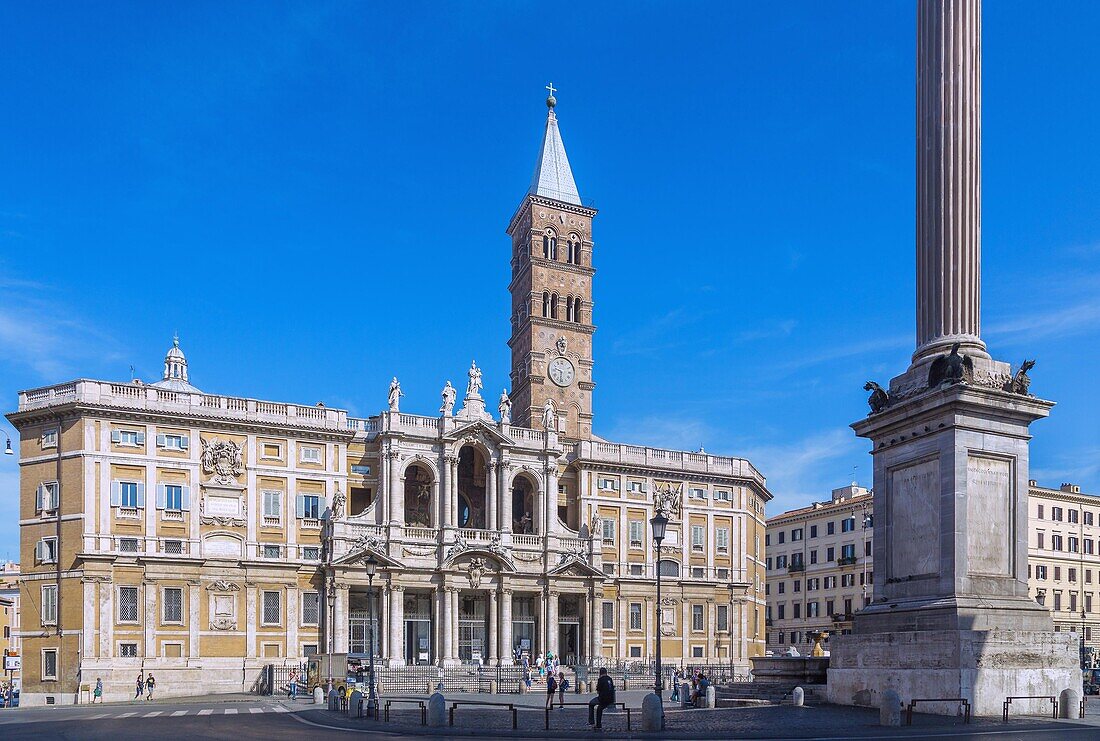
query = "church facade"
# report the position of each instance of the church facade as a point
(200, 537)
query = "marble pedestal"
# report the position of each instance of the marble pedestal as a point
(951, 616)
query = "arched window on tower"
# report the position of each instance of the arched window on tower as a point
(568, 308)
(574, 250)
(546, 303)
(577, 310)
(553, 306)
(546, 245)
(553, 248)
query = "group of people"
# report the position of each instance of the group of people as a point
(698, 681)
(545, 666)
(145, 686)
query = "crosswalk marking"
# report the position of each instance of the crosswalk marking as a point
(179, 713)
(255, 710)
(206, 711)
(127, 715)
(153, 714)
(281, 709)
(231, 711)
(97, 717)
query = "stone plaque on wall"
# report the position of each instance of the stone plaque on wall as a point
(989, 516)
(223, 506)
(914, 547)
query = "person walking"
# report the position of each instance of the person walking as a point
(150, 685)
(292, 690)
(563, 685)
(551, 688)
(140, 690)
(675, 696)
(97, 693)
(605, 696)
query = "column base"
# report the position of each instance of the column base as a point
(449, 663)
(984, 667)
(392, 663)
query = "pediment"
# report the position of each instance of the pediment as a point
(480, 429)
(361, 553)
(576, 567)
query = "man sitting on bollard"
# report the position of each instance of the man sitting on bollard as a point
(605, 696)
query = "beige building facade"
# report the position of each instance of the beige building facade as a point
(201, 537)
(821, 554)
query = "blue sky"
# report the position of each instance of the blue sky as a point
(315, 197)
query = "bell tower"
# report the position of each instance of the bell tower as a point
(551, 291)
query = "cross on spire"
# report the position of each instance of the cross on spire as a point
(552, 89)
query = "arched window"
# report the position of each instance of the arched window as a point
(546, 246)
(546, 303)
(577, 310)
(574, 250)
(568, 308)
(553, 306)
(553, 248)
(669, 568)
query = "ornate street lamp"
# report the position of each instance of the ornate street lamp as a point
(331, 596)
(658, 522)
(372, 699)
(7, 449)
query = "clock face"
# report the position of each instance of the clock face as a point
(561, 371)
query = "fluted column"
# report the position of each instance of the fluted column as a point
(949, 176)
(397, 490)
(551, 622)
(445, 624)
(504, 493)
(493, 649)
(550, 502)
(396, 649)
(494, 503)
(506, 627)
(445, 491)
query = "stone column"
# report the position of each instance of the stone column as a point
(434, 512)
(194, 594)
(506, 639)
(293, 618)
(949, 177)
(107, 620)
(494, 502)
(340, 619)
(453, 595)
(451, 498)
(551, 622)
(550, 502)
(505, 494)
(492, 650)
(251, 618)
(395, 651)
(445, 625)
(437, 626)
(397, 490)
(445, 490)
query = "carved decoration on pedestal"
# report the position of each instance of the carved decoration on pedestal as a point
(223, 604)
(455, 548)
(221, 460)
(474, 571)
(879, 399)
(1020, 382)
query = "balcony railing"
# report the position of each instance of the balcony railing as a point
(846, 560)
(841, 617)
(800, 566)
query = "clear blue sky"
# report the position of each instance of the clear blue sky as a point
(315, 197)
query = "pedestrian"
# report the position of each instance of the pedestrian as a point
(700, 689)
(292, 691)
(563, 685)
(551, 688)
(97, 693)
(140, 686)
(605, 696)
(150, 685)
(527, 675)
(675, 696)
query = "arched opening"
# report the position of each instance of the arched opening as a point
(574, 251)
(471, 488)
(523, 506)
(418, 496)
(569, 308)
(553, 306)
(577, 310)
(669, 568)
(546, 303)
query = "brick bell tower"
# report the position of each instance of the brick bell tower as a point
(551, 291)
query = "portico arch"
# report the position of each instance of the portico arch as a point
(524, 491)
(472, 507)
(421, 492)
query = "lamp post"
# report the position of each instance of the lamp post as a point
(331, 596)
(372, 699)
(7, 448)
(658, 522)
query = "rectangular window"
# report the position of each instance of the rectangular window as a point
(697, 618)
(696, 652)
(273, 507)
(723, 574)
(272, 608)
(173, 497)
(607, 613)
(723, 618)
(635, 652)
(830, 606)
(797, 608)
(830, 528)
(782, 587)
(173, 605)
(273, 451)
(127, 604)
(609, 569)
(721, 495)
(46, 498)
(780, 562)
(1039, 538)
(130, 494)
(309, 506)
(698, 493)
(1040, 572)
(309, 649)
(636, 569)
(127, 650)
(797, 585)
(813, 556)
(722, 539)
(1040, 511)
(813, 531)
(812, 609)
(847, 580)
(49, 604)
(1072, 545)
(1088, 517)
(1056, 542)
(128, 545)
(782, 611)
(830, 554)
(361, 470)
(608, 484)
(767, 539)
(129, 438)
(1057, 573)
(848, 551)
(635, 616)
(49, 439)
(49, 663)
(637, 532)
(796, 534)
(782, 537)
(271, 551)
(46, 550)
(848, 525)
(697, 536)
(311, 553)
(1057, 601)
(174, 547)
(311, 608)
(173, 441)
(698, 572)
(1056, 514)
(1087, 543)
(637, 487)
(830, 582)
(609, 527)
(1072, 515)
(309, 454)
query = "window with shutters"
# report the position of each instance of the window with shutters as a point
(609, 528)
(697, 493)
(272, 608)
(309, 454)
(721, 495)
(311, 608)
(273, 507)
(127, 494)
(637, 533)
(173, 497)
(49, 604)
(697, 537)
(635, 616)
(127, 604)
(47, 497)
(46, 550)
(173, 441)
(607, 612)
(309, 506)
(49, 663)
(722, 539)
(608, 484)
(636, 487)
(128, 438)
(173, 605)
(49, 439)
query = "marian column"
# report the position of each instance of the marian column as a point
(949, 177)
(951, 615)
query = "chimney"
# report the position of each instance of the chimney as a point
(1071, 488)
(1032, 483)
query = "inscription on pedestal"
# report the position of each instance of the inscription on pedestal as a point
(989, 507)
(914, 548)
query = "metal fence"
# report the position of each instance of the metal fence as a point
(275, 679)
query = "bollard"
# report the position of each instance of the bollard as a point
(685, 695)
(798, 697)
(333, 700)
(318, 695)
(492, 686)
(710, 697)
(437, 710)
(353, 702)
(889, 710)
(653, 713)
(1069, 704)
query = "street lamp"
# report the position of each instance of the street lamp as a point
(658, 522)
(331, 596)
(372, 699)
(7, 449)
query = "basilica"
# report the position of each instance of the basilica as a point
(203, 537)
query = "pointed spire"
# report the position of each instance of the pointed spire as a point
(553, 178)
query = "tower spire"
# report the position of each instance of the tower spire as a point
(553, 177)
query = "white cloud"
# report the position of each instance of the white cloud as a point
(806, 469)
